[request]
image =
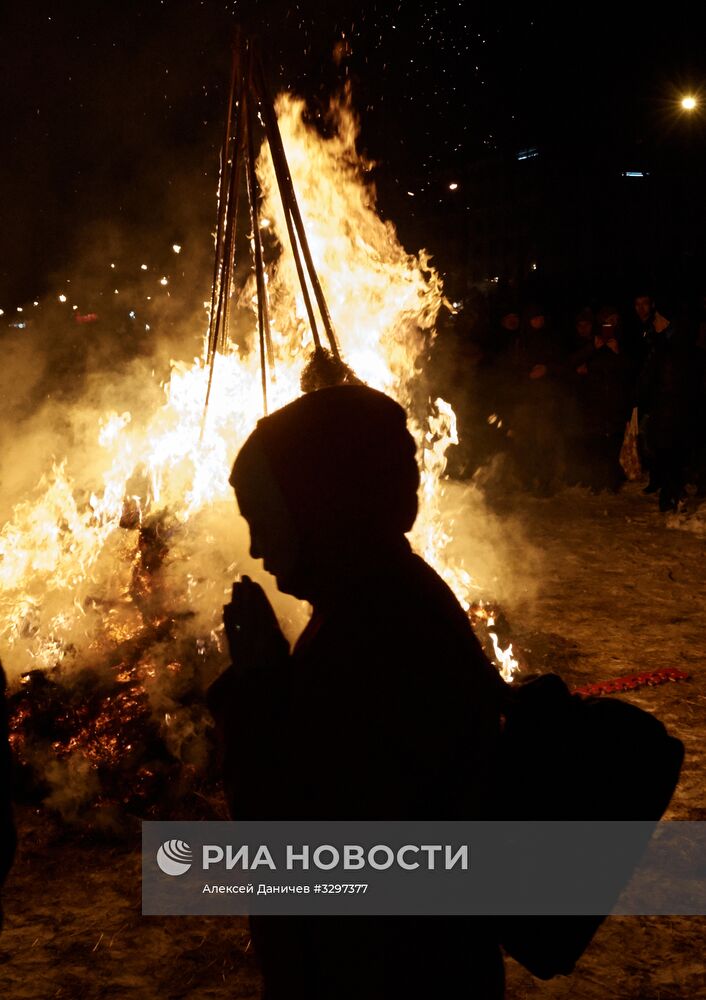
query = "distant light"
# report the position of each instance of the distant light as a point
(635, 173)
(453, 186)
(411, 194)
(2, 312)
(533, 265)
(176, 248)
(147, 326)
(20, 309)
(113, 266)
(688, 103)
(35, 303)
(163, 281)
(531, 153)
(74, 308)
(62, 298)
(131, 314)
(143, 267)
(116, 291)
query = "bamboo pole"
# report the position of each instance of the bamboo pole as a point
(286, 185)
(248, 85)
(232, 227)
(262, 321)
(282, 174)
(227, 218)
(222, 206)
(255, 216)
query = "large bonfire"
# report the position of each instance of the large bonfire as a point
(122, 565)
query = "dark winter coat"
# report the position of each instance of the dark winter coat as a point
(538, 399)
(495, 384)
(606, 396)
(666, 387)
(386, 709)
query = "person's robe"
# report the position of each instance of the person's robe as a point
(386, 710)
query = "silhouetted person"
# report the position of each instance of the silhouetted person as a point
(580, 348)
(606, 402)
(384, 710)
(537, 417)
(495, 367)
(492, 390)
(7, 829)
(665, 396)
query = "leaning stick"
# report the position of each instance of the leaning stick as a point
(286, 185)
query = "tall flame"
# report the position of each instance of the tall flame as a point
(67, 564)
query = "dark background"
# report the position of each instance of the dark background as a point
(111, 121)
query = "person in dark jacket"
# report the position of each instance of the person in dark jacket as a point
(495, 364)
(579, 347)
(493, 388)
(665, 396)
(7, 829)
(537, 418)
(386, 708)
(606, 401)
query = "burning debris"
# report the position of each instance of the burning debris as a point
(92, 742)
(130, 733)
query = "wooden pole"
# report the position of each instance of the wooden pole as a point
(288, 193)
(262, 313)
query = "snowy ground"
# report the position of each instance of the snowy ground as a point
(622, 591)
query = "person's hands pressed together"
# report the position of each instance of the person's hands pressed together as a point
(258, 649)
(255, 639)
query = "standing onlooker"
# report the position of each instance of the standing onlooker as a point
(580, 347)
(607, 402)
(494, 391)
(538, 438)
(664, 401)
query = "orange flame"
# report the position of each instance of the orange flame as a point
(63, 554)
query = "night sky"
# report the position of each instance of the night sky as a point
(111, 113)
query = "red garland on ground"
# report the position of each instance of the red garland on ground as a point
(633, 681)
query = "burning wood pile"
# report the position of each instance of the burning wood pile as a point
(129, 732)
(114, 570)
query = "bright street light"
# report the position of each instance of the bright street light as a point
(688, 103)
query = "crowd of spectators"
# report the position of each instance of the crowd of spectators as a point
(559, 398)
